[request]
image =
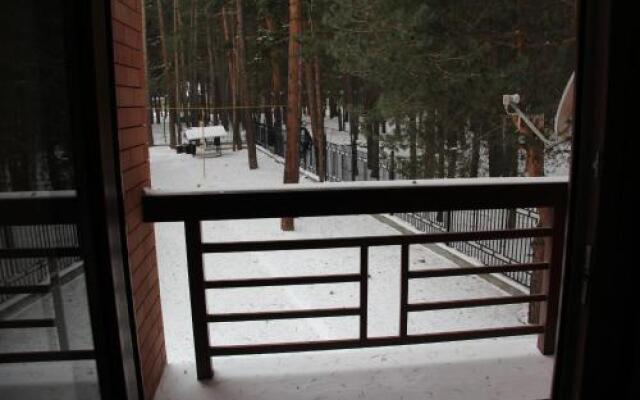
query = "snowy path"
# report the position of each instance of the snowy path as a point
(183, 172)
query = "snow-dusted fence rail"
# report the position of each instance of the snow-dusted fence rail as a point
(365, 198)
(39, 240)
(339, 169)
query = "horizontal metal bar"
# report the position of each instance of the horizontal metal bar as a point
(35, 208)
(30, 289)
(390, 240)
(267, 315)
(443, 272)
(283, 281)
(359, 198)
(376, 341)
(28, 323)
(465, 303)
(40, 253)
(41, 356)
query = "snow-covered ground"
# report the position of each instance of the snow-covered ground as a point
(507, 368)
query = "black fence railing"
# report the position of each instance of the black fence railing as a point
(33, 271)
(339, 169)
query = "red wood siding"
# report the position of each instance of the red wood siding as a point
(134, 161)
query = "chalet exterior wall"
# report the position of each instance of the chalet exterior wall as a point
(127, 25)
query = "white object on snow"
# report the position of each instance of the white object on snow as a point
(209, 132)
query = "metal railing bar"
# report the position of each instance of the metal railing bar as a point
(364, 291)
(41, 252)
(390, 240)
(271, 315)
(491, 269)
(34, 208)
(293, 347)
(28, 323)
(281, 281)
(347, 199)
(466, 303)
(404, 289)
(38, 356)
(28, 289)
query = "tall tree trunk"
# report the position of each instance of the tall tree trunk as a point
(413, 146)
(230, 45)
(192, 54)
(353, 128)
(441, 145)
(212, 98)
(245, 97)
(333, 106)
(176, 107)
(474, 164)
(373, 157)
(167, 75)
(157, 108)
(452, 152)
(309, 75)
(429, 143)
(320, 137)
(276, 80)
(292, 158)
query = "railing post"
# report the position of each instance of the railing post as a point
(364, 291)
(551, 282)
(193, 236)
(58, 303)
(404, 289)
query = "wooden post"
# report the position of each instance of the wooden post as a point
(551, 281)
(534, 167)
(193, 236)
(58, 303)
(364, 291)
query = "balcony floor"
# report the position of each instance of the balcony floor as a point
(508, 368)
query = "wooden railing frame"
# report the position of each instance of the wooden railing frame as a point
(41, 208)
(370, 198)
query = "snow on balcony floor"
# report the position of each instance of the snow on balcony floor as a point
(506, 368)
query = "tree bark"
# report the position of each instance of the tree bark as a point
(452, 152)
(175, 108)
(320, 137)
(276, 80)
(245, 97)
(292, 158)
(428, 152)
(309, 75)
(230, 45)
(413, 147)
(212, 98)
(353, 128)
(474, 164)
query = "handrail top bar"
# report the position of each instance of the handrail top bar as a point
(38, 207)
(313, 200)
(370, 185)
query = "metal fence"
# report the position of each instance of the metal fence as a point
(489, 252)
(33, 271)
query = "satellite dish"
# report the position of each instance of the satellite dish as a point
(563, 126)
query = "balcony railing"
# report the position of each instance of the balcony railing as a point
(39, 232)
(332, 199)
